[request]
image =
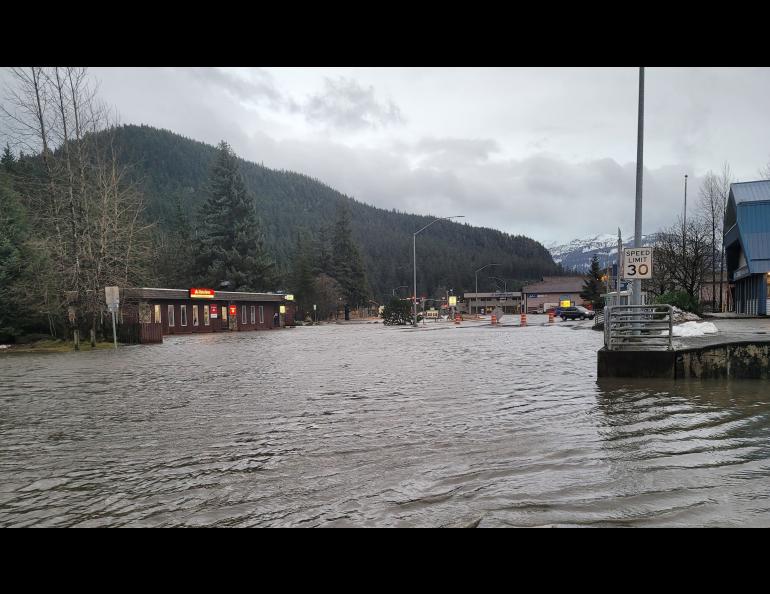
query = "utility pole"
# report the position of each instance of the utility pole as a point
(637, 283)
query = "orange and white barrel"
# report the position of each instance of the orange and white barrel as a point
(523, 320)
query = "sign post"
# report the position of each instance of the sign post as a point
(112, 296)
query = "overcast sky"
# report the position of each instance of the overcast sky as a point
(549, 153)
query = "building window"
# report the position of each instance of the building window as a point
(171, 316)
(183, 314)
(261, 314)
(243, 314)
(206, 316)
(145, 313)
(195, 315)
(253, 314)
(224, 313)
(157, 314)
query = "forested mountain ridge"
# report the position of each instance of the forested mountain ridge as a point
(172, 171)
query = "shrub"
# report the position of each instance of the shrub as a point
(679, 299)
(398, 312)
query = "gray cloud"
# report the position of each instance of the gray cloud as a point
(344, 103)
(258, 88)
(542, 152)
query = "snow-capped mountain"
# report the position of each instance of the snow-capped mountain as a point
(576, 255)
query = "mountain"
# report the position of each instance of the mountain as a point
(577, 254)
(172, 172)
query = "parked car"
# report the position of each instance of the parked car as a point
(577, 312)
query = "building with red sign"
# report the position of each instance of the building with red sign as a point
(146, 314)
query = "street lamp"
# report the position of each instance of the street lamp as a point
(414, 257)
(477, 284)
(505, 283)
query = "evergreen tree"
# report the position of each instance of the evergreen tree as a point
(592, 287)
(7, 160)
(232, 253)
(347, 265)
(302, 278)
(13, 235)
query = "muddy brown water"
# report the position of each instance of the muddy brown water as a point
(363, 425)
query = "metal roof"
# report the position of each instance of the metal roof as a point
(753, 191)
(152, 293)
(556, 284)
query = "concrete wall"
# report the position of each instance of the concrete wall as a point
(744, 360)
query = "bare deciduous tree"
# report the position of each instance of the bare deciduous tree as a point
(682, 263)
(88, 218)
(714, 192)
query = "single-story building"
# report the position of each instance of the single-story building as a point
(148, 314)
(551, 291)
(747, 246)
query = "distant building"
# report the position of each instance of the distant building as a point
(147, 314)
(551, 291)
(508, 301)
(747, 246)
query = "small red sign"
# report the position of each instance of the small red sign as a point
(233, 310)
(214, 311)
(201, 293)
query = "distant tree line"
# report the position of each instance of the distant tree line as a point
(86, 203)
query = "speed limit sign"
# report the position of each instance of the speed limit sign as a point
(637, 263)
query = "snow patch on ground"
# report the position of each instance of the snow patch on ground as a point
(694, 329)
(5, 346)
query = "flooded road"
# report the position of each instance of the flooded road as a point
(363, 425)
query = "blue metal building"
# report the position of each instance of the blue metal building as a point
(747, 246)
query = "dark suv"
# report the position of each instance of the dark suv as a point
(577, 312)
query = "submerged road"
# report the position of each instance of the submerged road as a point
(363, 425)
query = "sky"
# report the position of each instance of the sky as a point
(544, 152)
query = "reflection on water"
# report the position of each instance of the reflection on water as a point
(367, 426)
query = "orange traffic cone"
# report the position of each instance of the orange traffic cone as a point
(494, 319)
(458, 318)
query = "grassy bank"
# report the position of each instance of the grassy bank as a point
(53, 346)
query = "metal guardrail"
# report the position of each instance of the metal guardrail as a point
(638, 327)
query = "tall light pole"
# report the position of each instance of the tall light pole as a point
(477, 284)
(637, 283)
(684, 220)
(400, 287)
(414, 257)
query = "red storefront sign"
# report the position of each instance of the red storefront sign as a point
(214, 311)
(201, 293)
(233, 310)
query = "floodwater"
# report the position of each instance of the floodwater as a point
(363, 425)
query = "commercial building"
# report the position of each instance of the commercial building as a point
(747, 246)
(551, 291)
(476, 303)
(148, 314)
